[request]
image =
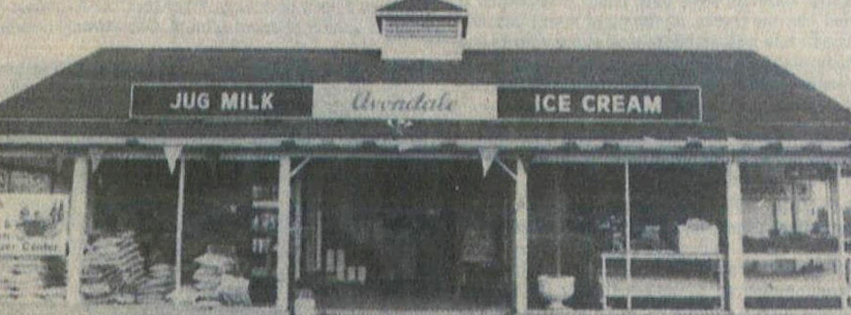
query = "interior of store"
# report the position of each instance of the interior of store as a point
(407, 234)
(366, 234)
(792, 233)
(579, 216)
(436, 234)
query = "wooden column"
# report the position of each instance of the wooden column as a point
(77, 230)
(735, 250)
(521, 239)
(284, 174)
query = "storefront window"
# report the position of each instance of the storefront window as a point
(576, 213)
(677, 219)
(404, 235)
(34, 209)
(664, 251)
(131, 233)
(791, 236)
(230, 234)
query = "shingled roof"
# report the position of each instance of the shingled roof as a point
(744, 94)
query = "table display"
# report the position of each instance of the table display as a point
(794, 275)
(629, 285)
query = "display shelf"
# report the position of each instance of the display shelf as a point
(791, 256)
(265, 204)
(829, 282)
(795, 286)
(661, 255)
(264, 230)
(663, 287)
(629, 286)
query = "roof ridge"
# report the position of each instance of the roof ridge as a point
(421, 6)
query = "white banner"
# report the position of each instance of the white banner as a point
(33, 224)
(404, 101)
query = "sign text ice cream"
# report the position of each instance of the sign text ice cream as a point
(601, 103)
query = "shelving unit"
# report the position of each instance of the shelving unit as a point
(264, 231)
(629, 287)
(827, 283)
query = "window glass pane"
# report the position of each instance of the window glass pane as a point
(576, 213)
(131, 233)
(402, 235)
(788, 208)
(677, 222)
(791, 227)
(230, 233)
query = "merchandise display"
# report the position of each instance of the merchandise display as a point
(264, 230)
(112, 269)
(157, 284)
(213, 284)
(697, 236)
(23, 279)
(208, 276)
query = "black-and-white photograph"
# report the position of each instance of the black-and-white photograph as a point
(415, 157)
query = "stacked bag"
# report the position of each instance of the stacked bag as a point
(156, 285)
(112, 269)
(213, 286)
(98, 282)
(22, 279)
(208, 276)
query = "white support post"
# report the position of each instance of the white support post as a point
(521, 239)
(839, 222)
(735, 250)
(284, 175)
(77, 233)
(628, 236)
(297, 229)
(178, 248)
(319, 240)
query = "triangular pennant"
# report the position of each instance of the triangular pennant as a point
(95, 154)
(488, 155)
(172, 152)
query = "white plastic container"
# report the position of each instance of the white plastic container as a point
(362, 274)
(304, 304)
(697, 236)
(330, 267)
(341, 265)
(351, 274)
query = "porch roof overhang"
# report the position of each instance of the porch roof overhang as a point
(646, 150)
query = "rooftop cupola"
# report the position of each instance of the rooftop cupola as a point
(422, 30)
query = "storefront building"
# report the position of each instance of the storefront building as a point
(423, 177)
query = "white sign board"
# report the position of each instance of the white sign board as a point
(404, 101)
(33, 224)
